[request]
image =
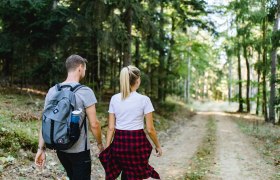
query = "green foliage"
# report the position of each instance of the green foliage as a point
(29, 29)
(275, 39)
(166, 109)
(37, 36)
(13, 141)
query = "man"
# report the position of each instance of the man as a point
(76, 160)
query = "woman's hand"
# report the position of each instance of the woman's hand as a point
(40, 158)
(158, 151)
(100, 147)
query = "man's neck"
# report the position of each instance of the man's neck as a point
(72, 78)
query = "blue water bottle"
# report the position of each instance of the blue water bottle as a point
(75, 116)
(74, 125)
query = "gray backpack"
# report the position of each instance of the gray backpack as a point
(57, 130)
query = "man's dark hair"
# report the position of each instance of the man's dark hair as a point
(74, 61)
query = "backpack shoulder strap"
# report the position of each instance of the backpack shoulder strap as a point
(58, 87)
(77, 87)
(66, 86)
(84, 123)
(73, 89)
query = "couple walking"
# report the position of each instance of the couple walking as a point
(127, 149)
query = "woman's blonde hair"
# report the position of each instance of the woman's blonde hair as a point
(128, 77)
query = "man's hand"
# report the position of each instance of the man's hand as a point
(40, 158)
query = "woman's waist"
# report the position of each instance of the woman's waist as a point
(130, 126)
(129, 132)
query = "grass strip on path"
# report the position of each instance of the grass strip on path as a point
(204, 156)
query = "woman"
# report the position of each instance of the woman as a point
(130, 150)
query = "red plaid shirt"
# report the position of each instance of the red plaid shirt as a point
(129, 153)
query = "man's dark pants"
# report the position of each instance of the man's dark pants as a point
(77, 165)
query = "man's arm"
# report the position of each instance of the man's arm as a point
(40, 157)
(95, 126)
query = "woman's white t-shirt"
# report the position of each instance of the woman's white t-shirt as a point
(129, 113)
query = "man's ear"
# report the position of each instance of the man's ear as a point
(80, 67)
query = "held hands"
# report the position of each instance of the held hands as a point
(40, 158)
(158, 151)
(100, 147)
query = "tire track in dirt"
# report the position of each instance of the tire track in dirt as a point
(180, 148)
(235, 157)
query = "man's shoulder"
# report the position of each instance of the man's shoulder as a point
(52, 90)
(85, 89)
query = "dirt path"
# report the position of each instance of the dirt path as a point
(236, 158)
(179, 148)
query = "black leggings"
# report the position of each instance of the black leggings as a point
(77, 165)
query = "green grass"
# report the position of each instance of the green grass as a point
(203, 158)
(19, 116)
(266, 139)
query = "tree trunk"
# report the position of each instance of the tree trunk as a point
(161, 71)
(240, 99)
(54, 4)
(264, 28)
(98, 62)
(7, 69)
(259, 85)
(112, 72)
(115, 71)
(273, 71)
(229, 77)
(137, 52)
(189, 75)
(248, 78)
(127, 44)
(168, 85)
(185, 89)
(93, 64)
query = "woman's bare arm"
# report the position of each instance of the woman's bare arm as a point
(152, 132)
(111, 129)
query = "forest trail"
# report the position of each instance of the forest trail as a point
(179, 148)
(235, 156)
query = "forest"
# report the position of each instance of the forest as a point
(176, 44)
(190, 52)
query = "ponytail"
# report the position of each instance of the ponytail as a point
(128, 77)
(124, 83)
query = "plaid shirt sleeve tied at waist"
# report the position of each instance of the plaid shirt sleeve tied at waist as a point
(129, 153)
